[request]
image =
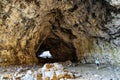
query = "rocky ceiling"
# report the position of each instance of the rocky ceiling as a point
(76, 30)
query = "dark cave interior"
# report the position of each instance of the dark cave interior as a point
(59, 50)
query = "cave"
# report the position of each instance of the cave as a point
(80, 35)
(59, 50)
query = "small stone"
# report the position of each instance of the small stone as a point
(46, 78)
(29, 72)
(5, 77)
(60, 76)
(39, 77)
(54, 77)
(18, 78)
(68, 76)
(78, 75)
(96, 75)
(29, 75)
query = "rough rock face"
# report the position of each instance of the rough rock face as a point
(115, 3)
(73, 30)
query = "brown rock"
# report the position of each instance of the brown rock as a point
(71, 30)
(60, 76)
(18, 78)
(46, 78)
(39, 77)
(48, 66)
(54, 76)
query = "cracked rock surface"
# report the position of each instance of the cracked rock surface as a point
(80, 30)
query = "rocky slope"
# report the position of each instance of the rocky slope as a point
(76, 30)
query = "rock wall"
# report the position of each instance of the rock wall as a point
(76, 30)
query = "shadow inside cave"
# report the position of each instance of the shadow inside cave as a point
(55, 50)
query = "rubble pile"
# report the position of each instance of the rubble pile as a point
(50, 71)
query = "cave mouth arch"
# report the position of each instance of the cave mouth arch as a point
(59, 50)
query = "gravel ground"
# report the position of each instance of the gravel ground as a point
(84, 71)
(89, 72)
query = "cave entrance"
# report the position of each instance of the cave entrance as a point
(57, 51)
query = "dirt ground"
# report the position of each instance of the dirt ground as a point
(89, 72)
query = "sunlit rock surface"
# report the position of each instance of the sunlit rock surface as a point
(71, 30)
(115, 3)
